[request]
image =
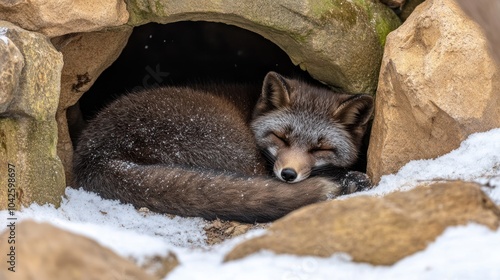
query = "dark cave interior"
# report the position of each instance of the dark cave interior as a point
(187, 52)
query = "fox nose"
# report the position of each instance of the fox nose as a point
(288, 174)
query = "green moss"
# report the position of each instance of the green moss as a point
(30, 145)
(385, 22)
(142, 12)
(340, 10)
(350, 12)
(384, 26)
(159, 7)
(137, 16)
(384, 18)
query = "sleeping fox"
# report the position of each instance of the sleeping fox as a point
(204, 152)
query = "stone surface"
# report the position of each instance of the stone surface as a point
(45, 252)
(438, 84)
(376, 230)
(85, 59)
(337, 42)
(55, 18)
(485, 12)
(11, 64)
(28, 130)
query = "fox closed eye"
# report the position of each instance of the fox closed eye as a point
(323, 150)
(280, 137)
(323, 147)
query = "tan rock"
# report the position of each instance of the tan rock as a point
(44, 252)
(11, 64)
(377, 230)
(86, 56)
(59, 17)
(337, 42)
(437, 85)
(485, 13)
(28, 130)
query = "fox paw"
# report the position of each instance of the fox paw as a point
(354, 181)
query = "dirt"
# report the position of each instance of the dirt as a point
(218, 230)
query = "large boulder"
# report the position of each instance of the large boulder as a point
(85, 59)
(376, 230)
(438, 84)
(55, 18)
(485, 13)
(42, 251)
(337, 42)
(28, 129)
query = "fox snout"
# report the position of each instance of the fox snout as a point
(293, 166)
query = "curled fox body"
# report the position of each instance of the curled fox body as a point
(205, 152)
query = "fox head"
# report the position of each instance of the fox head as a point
(301, 127)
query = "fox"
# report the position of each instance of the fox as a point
(226, 151)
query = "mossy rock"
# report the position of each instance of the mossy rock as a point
(338, 42)
(28, 130)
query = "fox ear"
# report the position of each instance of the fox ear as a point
(275, 93)
(355, 111)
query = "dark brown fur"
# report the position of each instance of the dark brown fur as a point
(187, 152)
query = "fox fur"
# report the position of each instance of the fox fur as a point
(204, 151)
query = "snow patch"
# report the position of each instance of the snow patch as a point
(477, 159)
(3, 35)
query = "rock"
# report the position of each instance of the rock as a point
(86, 56)
(437, 85)
(28, 130)
(11, 64)
(55, 18)
(47, 252)
(485, 13)
(337, 42)
(376, 230)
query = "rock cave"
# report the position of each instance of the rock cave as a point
(340, 47)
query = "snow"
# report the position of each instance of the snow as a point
(477, 159)
(120, 227)
(457, 254)
(462, 252)
(3, 37)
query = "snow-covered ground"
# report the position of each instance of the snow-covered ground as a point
(464, 252)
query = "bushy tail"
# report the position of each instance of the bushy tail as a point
(188, 192)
